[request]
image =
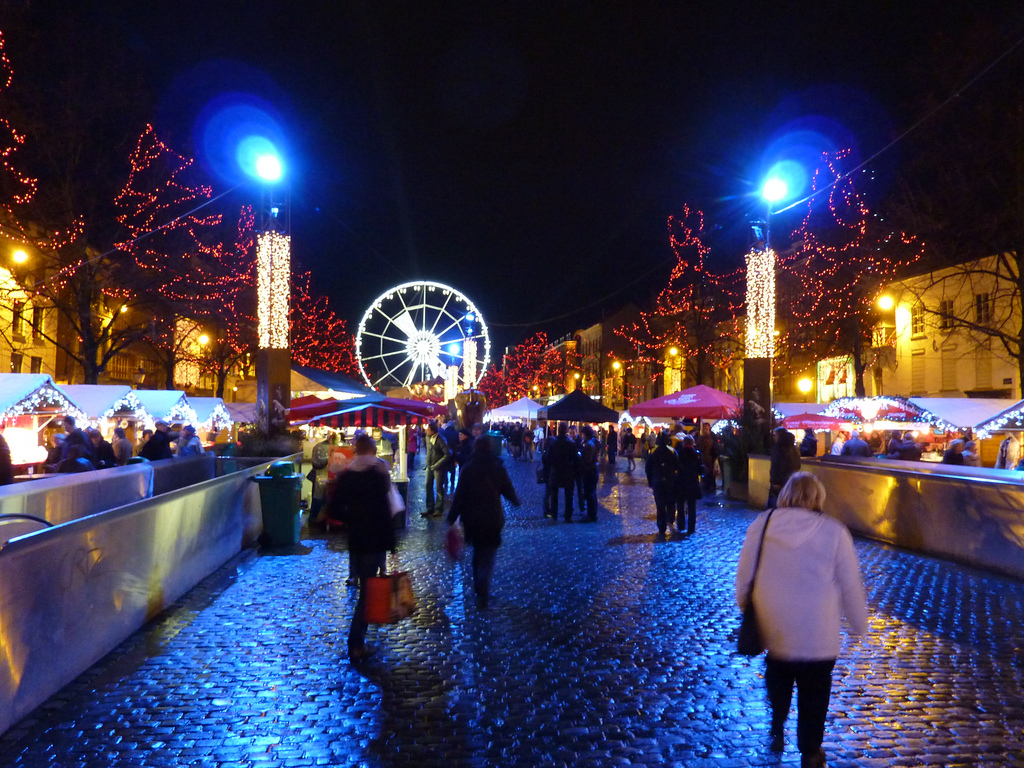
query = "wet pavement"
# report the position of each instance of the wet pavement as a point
(603, 646)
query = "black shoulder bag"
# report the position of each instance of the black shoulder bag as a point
(749, 642)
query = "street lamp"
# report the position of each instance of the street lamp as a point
(19, 256)
(804, 385)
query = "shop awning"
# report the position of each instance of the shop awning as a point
(369, 416)
(699, 402)
(303, 414)
(523, 408)
(106, 401)
(33, 393)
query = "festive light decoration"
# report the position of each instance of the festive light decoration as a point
(831, 283)
(887, 408)
(404, 335)
(451, 383)
(469, 365)
(760, 327)
(273, 268)
(1011, 420)
(46, 396)
(695, 313)
(21, 187)
(319, 337)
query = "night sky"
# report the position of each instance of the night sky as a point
(529, 153)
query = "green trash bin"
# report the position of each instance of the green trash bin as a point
(496, 439)
(279, 501)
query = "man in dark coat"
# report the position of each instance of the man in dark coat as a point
(102, 451)
(561, 463)
(662, 468)
(784, 461)
(159, 444)
(856, 447)
(75, 436)
(361, 501)
(809, 445)
(691, 465)
(436, 474)
(589, 452)
(477, 500)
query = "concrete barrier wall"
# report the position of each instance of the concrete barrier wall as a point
(968, 514)
(70, 594)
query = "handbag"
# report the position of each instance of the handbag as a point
(389, 598)
(453, 543)
(749, 642)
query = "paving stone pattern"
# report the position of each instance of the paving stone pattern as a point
(603, 646)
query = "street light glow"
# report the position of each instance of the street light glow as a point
(774, 189)
(804, 385)
(886, 303)
(19, 256)
(268, 167)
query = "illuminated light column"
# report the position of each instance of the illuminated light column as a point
(760, 330)
(451, 383)
(273, 291)
(469, 362)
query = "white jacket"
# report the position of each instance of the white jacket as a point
(807, 579)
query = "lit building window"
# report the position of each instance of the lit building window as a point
(982, 309)
(917, 320)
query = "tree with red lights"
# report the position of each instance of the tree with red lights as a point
(829, 287)
(319, 338)
(494, 387)
(533, 363)
(695, 312)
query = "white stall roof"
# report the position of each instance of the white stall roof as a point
(22, 393)
(211, 412)
(171, 405)
(243, 413)
(103, 401)
(793, 409)
(963, 412)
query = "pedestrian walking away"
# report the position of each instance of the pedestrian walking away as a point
(361, 501)
(688, 487)
(477, 501)
(807, 579)
(707, 447)
(629, 447)
(613, 447)
(662, 469)
(784, 461)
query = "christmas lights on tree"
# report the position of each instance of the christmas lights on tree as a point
(830, 284)
(694, 315)
(319, 338)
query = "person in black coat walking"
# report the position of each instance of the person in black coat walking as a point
(589, 452)
(691, 466)
(361, 501)
(662, 468)
(613, 447)
(482, 483)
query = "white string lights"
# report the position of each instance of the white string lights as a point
(760, 335)
(273, 268)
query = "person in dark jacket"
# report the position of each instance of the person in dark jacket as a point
(6, 466)
(662, 468)
(436, 474)
(56, 450)
(75, 462)
(477, 500)
(855, 446)
(613, 447)
(909, 449)
(809, 445)
(75, 436)
(361, 501)
(159, 444)
(707, 447)
(561, 463)
(785, 460)
(955, 453)
(691, 465)
(102, 451)
(589, 452)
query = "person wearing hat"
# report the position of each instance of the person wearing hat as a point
(189, 443)
(159, 445)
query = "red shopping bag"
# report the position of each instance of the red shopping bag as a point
(389, 598)
(453, 543)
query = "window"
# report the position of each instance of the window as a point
(917, 370)
(18, 320)
(982, 309)
(36, 364)
(946, 314)
(16, 363)
(917, 320)
(36, 321)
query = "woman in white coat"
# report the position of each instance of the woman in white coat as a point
(807, 578)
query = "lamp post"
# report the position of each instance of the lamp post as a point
(760, 331)
(273, 290)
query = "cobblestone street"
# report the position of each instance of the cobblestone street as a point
(603, 646)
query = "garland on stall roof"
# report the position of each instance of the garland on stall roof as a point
(46, 395)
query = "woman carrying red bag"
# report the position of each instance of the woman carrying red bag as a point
(477, 501)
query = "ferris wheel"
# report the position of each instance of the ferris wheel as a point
(418, 331)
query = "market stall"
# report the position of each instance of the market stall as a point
(699, 402)
(107, 406)
(523, 409)
(171, 405)
(580, 407)
(212, 418)
(28, 403)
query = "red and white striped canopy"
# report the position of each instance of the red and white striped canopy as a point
(369, 416)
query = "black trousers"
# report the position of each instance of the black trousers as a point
(814, 687)
(686, 508)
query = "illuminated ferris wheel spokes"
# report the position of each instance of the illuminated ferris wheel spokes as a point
(421, 331)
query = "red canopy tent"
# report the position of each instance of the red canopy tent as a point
(699, 402)
(307, 411)
(815, 421)
(370, 416)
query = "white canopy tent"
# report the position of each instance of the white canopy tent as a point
(171, 405)
(523, 408)
(211, 413)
